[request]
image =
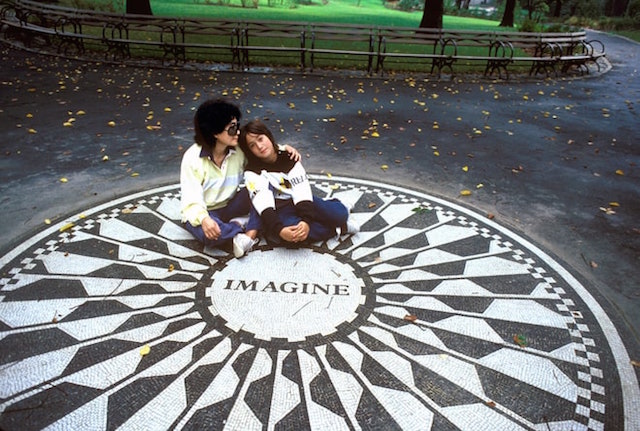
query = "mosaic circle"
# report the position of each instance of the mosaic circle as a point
(432, 317)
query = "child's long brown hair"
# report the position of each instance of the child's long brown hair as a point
(255, 127)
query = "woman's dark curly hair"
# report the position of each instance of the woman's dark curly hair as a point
(211, 118)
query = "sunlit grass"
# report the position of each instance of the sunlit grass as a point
(369, 12)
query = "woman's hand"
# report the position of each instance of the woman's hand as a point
(293, 153)
(210, 228)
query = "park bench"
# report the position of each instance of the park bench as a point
(546, 53)
(42, 25)
(249, 44)
(327, 46)
(270, 41)
(204, 42)
(429, 44)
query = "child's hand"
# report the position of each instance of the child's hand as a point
(297, 233)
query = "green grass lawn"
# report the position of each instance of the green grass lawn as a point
(631, 34)
(369, 12)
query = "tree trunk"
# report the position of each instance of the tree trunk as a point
(619, 7)
(139, 7)
(507, 17)
(432, 15)
(558, 9)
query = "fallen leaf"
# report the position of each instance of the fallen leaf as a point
(520, 340)
(384, 167)
(66, 227)
(635, 363)
(63, 180)
(465, 192)
(491, 216)
(171, 267)
(105, 158)
(465, 168)
(491, 403)
(135, 174)
(620, 172)
(144, 350)
(111, 124)
(371, 204)
(420, 209)
(410, 317)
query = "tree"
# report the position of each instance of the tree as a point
(140, 7)
(507, 17)
(557, 11)
(616, 7)
(432, 14)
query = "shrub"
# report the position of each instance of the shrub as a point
(409, 5)
(529, 25)
(633, 10)
(97, 5)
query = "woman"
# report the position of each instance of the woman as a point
(280, 192)
(213, 207)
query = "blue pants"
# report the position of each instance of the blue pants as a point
(328, 215)
(238, 206)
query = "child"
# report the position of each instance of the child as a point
(280, 192)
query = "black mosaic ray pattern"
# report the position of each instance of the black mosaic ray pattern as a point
(111, 320)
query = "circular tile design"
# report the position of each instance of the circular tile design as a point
(431, 317)
(313, 295)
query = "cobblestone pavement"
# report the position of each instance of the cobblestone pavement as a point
(493, 284)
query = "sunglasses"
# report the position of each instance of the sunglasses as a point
(233, 129)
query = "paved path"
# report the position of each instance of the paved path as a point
(512, 308)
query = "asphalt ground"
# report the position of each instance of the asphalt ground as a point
(553, 159)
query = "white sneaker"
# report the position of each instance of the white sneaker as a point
(242, 244)
(352, 226)
(348, 204)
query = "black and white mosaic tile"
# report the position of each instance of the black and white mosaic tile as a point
(431, 317)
